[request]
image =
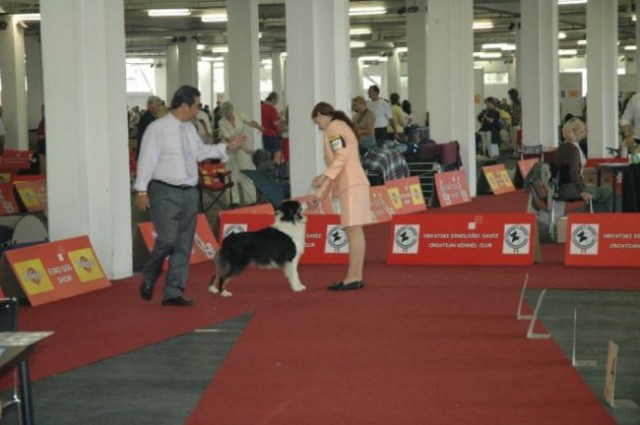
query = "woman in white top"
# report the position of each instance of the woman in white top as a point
(231, 125)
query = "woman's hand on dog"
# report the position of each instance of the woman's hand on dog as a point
(318, 180)
(314, 202)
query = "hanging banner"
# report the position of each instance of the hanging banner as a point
(462, 239)
(452, 188)
(204, 247)
(53, 271)
(498, 179)
(602, 240)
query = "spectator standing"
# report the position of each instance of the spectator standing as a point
(516, 120)
(397, 115)
(630, 123)
(365, 120)
(271, 127)
(165, 183)
(382, 111)
(153, 105)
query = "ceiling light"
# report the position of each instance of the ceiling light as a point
(402, 49)
(214, 17)
(563, 2)
(487, 55)
(360, 31)
(482, 25)
(24, 17)
(373, 58)
(200, 47)
(582, 42)
(567, 52)
(361, 11)
(562, 35)
(630, 48)
(220, 49)
(169, 12)
(356, 44)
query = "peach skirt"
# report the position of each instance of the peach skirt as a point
(354, 206)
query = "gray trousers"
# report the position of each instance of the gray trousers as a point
(173, 213)
(601, 196)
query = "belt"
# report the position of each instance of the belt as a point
(175, 186)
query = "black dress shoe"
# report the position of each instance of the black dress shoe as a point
(334, 286)
(178, 301)
(146, 290)
(356, 284)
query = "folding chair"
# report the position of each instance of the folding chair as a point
(214, 180)
(9, 323)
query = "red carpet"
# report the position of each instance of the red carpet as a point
(415, 350)
(419, 345)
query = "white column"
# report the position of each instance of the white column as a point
(602, 75)
(188, 54)
(417, 60)
(35, 91)
(356, 78)
(160, 72)
(277, 78)
(173, 71)
(87, 145)
(14, 94)
(393, 72)
(322, 57)
(517, 82)
(244, 60)
(539, 44)
(205, 83)
(451, 92)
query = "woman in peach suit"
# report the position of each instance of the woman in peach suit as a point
(345, 179)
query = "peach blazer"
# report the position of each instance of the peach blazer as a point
(344, 169)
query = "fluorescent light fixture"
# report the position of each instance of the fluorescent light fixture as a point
(218, 65)
(200, 47)
(563, 2)
(482, 25)
(373, 58)
(562, 35)
(169, 12)
(220, 49)
(402, 49)
(567, 52)
(214, 17)
(582, 42)
(360, 31)
(357, 44)
(487, 55)
(207, 59)
(24, 17)
(630, 48)
(139, 61)
(266, 62)
(634, 17)
(363, 11)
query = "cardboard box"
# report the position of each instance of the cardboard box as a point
(561, 229)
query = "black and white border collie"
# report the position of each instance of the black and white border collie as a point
(278, 246)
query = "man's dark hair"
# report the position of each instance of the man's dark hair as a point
(375, 89)
(185, 94)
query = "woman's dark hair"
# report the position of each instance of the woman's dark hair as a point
(394, 98)
(406, 107)
(272, 96)
(513, 94)
(185, 94)
(324, 108)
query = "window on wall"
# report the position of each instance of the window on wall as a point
(141, 78)
(496, 78)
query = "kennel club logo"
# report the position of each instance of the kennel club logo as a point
(230, 229)
(336, 240)
(517, 239)
(584, 239)
(405, 239)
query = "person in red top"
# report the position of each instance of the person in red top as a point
(270, 124)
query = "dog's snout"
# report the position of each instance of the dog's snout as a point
(304, 206)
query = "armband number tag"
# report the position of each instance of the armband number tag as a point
(337, 143)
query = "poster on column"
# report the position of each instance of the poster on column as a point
(462, 239)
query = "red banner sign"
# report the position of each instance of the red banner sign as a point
(54, 271)
(452, 188)
(15, 160)
(601, 240)
(380, 204)
(33, 194)
(498, 179)
(462, 239)
(8, 203)
(205, 245)
(325, 241)
(406, 195)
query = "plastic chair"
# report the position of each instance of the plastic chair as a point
(214, 180)
(9, 323)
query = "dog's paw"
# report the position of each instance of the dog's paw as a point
(225, 294)
(213, 289)
(299, 288)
